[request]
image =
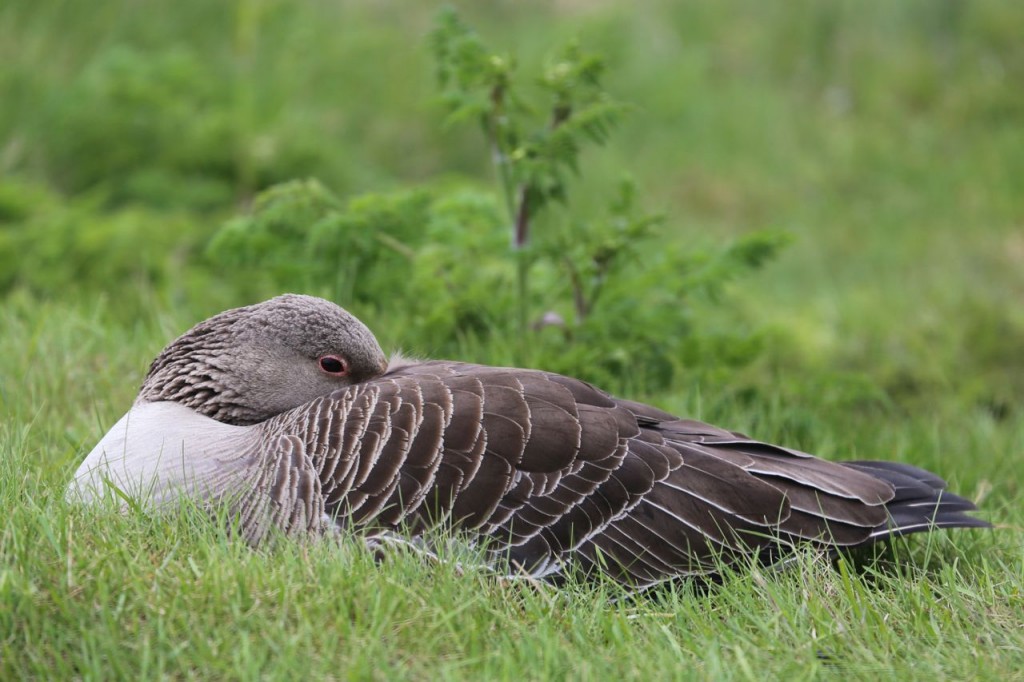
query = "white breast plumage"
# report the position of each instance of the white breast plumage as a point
(158, 452)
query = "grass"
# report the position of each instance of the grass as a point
(884, 136)
(95, 594)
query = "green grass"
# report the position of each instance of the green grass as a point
(96, 594)
(884, 136)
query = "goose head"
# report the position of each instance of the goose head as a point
(248, 364)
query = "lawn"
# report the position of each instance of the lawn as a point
(885, 139)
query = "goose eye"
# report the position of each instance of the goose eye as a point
(332, 364)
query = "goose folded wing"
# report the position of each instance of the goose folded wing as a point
(544, 465)
(511, 454)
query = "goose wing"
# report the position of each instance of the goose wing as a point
(546, 466)
(281, 490)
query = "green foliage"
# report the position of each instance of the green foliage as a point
(162, 128)
(532, 164)
(163, 121)
(532, 155)
(131, 247)
(425, 257)
(438, 257)
(883, 136)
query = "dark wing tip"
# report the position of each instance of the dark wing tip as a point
(921, 502)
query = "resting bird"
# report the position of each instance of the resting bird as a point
(289, 411)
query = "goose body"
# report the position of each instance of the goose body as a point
(287, 411)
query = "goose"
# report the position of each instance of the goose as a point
(290, 412)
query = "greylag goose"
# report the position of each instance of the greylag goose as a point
(289, 411)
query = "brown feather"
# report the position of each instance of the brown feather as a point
(548, 469)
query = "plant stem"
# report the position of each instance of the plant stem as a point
(499, 155)
(517, 206)
(521, 234)
(520, 240)
(579, 297)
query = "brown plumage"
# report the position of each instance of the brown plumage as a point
(545, 468)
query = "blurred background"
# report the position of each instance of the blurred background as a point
(880, 145)
(802, 220)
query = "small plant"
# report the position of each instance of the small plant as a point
(597, 295)
(534, 159)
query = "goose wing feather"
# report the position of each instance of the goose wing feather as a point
(544, 465)
(282, 491)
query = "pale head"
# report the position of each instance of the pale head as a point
(247, 364)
